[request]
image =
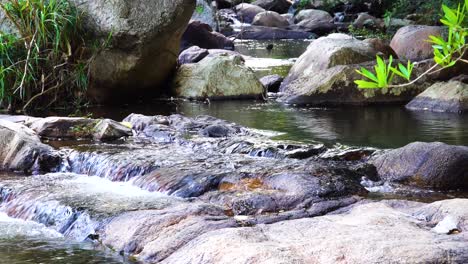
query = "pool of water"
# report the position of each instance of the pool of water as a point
(376, 126)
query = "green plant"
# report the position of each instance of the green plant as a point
(447, 53)
(43, 55)
(199, 9)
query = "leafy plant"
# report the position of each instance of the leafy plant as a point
(199, 9)
(446, 53)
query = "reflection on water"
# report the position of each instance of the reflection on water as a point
(380, 126)
(275, 49)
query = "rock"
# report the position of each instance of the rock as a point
(63, 127)
(247, 12)
(270, 19)
(411, 42)
(313, 14)
(108, 129)
(22, 150)
(442, 97)
(325, 74)
(204, 13)
(216, 131)
(272, 83)
(145, 38)
(368, 21)
(193, 54)
(269, 33)
(386, 230)
(434, 165)
(446, 226)
(219, 77)
(202, 35)
(461, 78)
(279, 6)
(317, 27)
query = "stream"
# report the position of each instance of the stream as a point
(35, 199)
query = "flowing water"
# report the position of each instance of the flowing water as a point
(50, 232)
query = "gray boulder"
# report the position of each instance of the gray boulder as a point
(63, 127)
(272, 83)
(279, 6)
(436, 165)
(193, 54)
(247, 12)
(145, 38)
(313, 14)
(325, 74)
(22, 150)
(270, 19)
(108, 129)
(442, 97)
(411, 42)
(218, 77)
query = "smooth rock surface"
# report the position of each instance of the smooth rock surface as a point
(436, 165)
(411, 42)
(442, 97)
(270, 19)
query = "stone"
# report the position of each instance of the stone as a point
(364, 20)
(411, 42)
(247, 12)
(108, 129)
(270, 19)
(435, 165)
(279, 6)
(317, 27)
(219, 77)
(142, 53)
(272, 83)
(23, 151)
(442, 97)
(202, 35)
(63, 127)
(313, 14)
(325, 74)
(386, 231)
(193, 54)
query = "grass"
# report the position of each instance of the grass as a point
(43, 56)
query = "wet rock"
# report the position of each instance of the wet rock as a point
(193, 54)
(325, 74)
(434, 165)
(280, 6)
(247, 12)
(64, 127)
(141, 53)
(202, 35)
(270, 19)
(140, 122)
(364, 20)
(317, 27)
(269, 33)
(314, 15)
(220, 77)
(411, 42)
(108, 129)
(216, 131)
(22, 150)
(272, 83)
(334, 238)
(442, 97)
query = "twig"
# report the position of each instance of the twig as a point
(20, 87)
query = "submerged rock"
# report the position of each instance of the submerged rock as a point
(325, 74)
(436, 165)
(219, 77)
(21, 150)
(442, 97)
(145, 38)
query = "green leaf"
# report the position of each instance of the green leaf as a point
(368, 74)
(366, 85)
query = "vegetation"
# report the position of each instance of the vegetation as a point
(447, 53)
(43, 57)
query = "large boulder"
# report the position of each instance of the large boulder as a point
(317, 27)
(247, 12)
(202, 35)
(270, 19)
(411, 42)
(217, 77)
(63, 127)
(442, 97)
(280, 6)
(313, 14)
(387, 231)
(22, 150)
(435, 165)
(325, 74)
(145, 40)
